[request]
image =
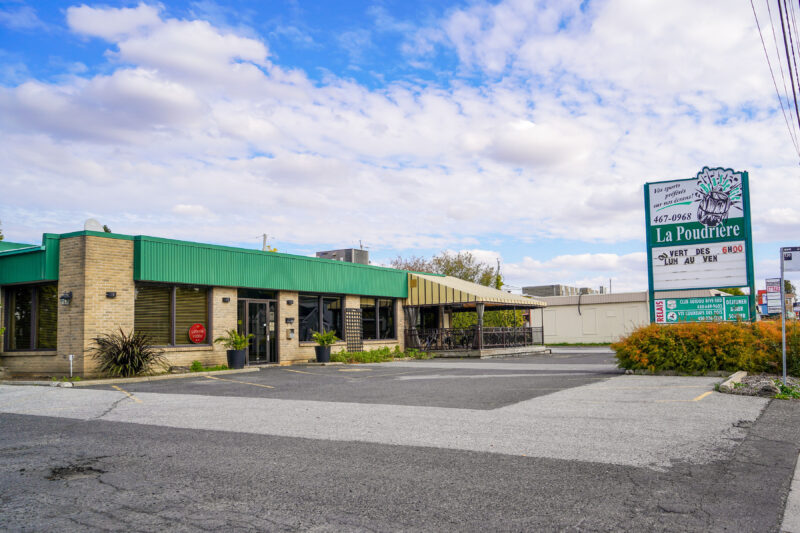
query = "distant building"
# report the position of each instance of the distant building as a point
(348, 255)
(558, 290)
(599, 318)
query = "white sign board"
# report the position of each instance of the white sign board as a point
(791, 259)
(773, 296)
(699, 266)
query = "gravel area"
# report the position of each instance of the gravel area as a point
(762, 385)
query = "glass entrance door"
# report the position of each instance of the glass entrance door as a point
(258, 318)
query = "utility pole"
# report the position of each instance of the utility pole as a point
(264, 242)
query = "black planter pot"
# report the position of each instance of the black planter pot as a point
(236, 358)
(323, 354)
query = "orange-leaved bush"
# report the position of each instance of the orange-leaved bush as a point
(696, 348)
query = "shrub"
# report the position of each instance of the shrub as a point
(326, 338)
(197, 366)
(696, 348)
(378, 355)
(232, 340)
(123, 355)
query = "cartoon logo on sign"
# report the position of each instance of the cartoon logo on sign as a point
(718, 191)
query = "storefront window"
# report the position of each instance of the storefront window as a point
(386, 318)
(377, 318)
(369, 329)
(191, 307)
(318, 312)
(32, 317)
(158, 307)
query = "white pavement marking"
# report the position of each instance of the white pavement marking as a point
(613, 422)
(477, 365)
(484, 376)
(791, 515)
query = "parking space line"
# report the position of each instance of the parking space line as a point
(128, 394)
(702, 396)
(299, 371)
(241, 382)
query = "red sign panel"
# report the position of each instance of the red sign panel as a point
(197, 333)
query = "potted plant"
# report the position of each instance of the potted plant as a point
(236, 345)
(324, 339)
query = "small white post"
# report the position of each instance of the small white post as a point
(71, 357)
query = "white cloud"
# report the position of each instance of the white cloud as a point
(112, 23)
(576, 111)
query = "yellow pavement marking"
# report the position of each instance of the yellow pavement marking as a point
(128, 394)
(241, 382)
(702, 396)
(299, 371)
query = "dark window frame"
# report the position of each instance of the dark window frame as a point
(320, 296)
(172, 303)
(377, 309)
(34, 317)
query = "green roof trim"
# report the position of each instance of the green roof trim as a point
(170, 261)
(32, 263)
(5, 245)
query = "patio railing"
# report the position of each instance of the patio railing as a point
(445, 339)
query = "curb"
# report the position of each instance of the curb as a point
(114, 381)
(727, 385)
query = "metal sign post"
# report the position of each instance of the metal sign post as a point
(790, 260)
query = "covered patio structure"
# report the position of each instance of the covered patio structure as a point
(433, 324)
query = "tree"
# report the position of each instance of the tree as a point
(106, 229)
(734, 291)
(413, 263)
(788, 288)
(463, 265)
(1, 232)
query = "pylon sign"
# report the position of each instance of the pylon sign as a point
(699, 234)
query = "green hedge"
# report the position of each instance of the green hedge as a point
(703, 347)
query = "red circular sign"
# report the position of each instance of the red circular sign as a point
(197, 333)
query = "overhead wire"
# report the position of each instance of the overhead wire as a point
(789, 124)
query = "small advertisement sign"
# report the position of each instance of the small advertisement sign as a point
(791, 259)
(707, 309)
(197, 333)
(773, 296)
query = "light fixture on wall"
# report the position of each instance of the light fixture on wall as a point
(290, 320)
(65, 298)
(289, 302)
(225, 299)
(111, 294)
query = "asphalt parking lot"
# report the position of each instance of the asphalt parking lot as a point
(562, 442)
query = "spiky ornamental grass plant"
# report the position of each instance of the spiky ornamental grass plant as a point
(126, 355)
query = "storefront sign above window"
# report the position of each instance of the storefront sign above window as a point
(197, 333)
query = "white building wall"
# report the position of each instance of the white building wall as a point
(596, 323)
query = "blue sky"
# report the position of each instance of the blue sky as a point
(514, 129)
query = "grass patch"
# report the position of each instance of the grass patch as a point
(578, 344)
(197, 366)
(378, 355)
(65, 379)
(787, 392)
